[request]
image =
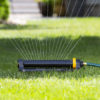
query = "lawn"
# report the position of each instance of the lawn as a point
(50, 39)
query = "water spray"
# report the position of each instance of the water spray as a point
(49, 65)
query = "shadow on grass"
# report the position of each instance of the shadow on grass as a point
(48, 48)
(26, 27)
(18, 27)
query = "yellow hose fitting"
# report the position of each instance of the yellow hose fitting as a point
(74, 63)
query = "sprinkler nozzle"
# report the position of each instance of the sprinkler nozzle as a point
(49, 65)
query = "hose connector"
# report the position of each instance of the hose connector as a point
(77, 64)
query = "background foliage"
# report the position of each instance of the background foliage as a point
(4, 9)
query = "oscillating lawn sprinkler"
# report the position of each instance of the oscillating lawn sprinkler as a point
(49, 65)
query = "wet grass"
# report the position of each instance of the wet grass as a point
(48, 39)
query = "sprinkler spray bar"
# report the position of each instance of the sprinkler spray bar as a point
(49, 65)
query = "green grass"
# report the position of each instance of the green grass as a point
(48, 39)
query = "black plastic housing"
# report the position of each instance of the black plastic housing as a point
(47, 65)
